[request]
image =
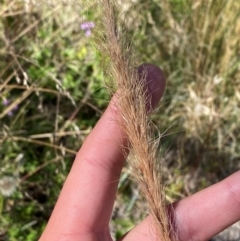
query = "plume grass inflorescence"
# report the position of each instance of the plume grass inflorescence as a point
(134, 105)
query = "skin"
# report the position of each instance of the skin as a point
(84, 207)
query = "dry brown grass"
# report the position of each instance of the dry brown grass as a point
(197, 44)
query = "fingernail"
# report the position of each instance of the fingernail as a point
(155, 82)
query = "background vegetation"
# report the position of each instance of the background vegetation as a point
(51, 95)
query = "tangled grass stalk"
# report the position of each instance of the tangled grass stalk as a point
(134, 104)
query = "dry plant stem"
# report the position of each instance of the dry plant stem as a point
(133, 105)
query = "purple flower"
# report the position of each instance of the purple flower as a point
(10, 113)
(88, 32)
(87, 26)
(5, 102)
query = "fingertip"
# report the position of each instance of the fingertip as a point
(156, 82)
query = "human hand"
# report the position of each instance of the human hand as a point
(84, 207)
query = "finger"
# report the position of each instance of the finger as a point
(201, 216)
(86, 201)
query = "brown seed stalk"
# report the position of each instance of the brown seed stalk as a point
(134, 102)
